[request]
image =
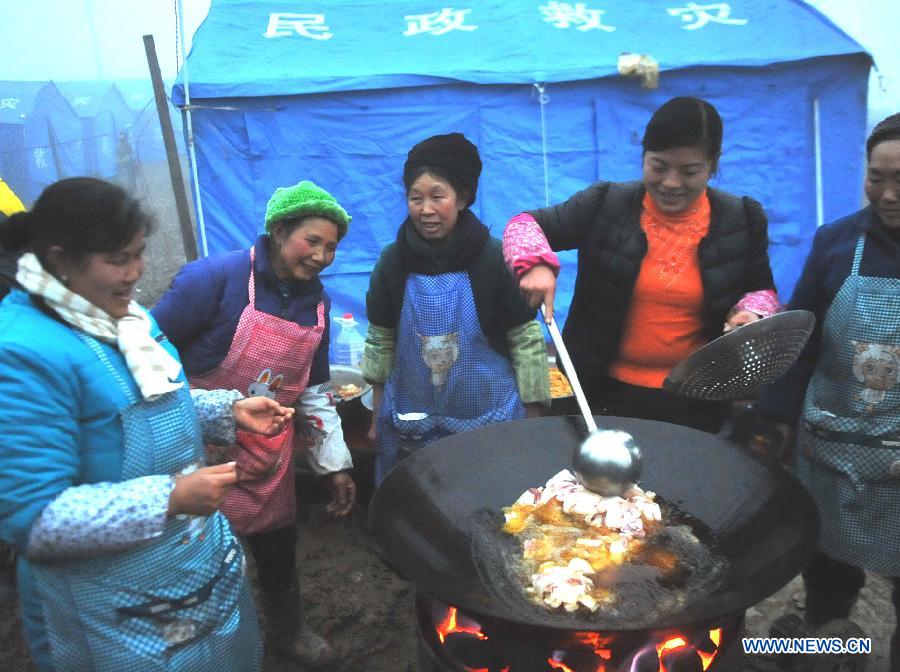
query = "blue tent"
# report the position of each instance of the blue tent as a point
(40, 137)
(338, 93)
(146, 135)
(105, 121)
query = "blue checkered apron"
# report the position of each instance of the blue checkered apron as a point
(848, 453)
(446, 377)
(177, 602)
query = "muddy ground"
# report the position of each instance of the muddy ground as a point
(366, 610)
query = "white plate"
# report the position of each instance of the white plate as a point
(346, 375)
(367, 399)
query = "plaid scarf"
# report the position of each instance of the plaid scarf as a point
(153, 368)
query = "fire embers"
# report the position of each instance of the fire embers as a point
(466, 645)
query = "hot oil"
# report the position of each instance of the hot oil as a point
(677, 565)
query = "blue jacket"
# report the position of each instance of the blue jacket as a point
(201, 310)
(60, 424)
(829, 263)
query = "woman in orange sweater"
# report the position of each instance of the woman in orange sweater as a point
(666, 264)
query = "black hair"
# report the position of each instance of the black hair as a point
(685, 122)
(82, 215)
(462, 189)
(886, 129)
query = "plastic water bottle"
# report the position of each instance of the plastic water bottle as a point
(349, 343)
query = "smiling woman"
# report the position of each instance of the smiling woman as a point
(451, 345)
(106, 478)
(257, 320)
(841, 401)
(664, 265)
(92, 239)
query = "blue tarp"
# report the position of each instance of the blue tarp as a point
(40, 137)
(339, 92)
(105, 121)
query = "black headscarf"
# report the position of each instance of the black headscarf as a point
(452, 155)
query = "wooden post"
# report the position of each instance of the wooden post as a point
(168, 134)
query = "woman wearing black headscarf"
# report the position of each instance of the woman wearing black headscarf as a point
(451, 344)
(664, 265)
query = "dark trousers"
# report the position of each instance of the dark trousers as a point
(630, 401)
(837, 580)
(275, 555)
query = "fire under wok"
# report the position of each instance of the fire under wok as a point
(437, 516)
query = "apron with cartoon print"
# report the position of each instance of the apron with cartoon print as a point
(176, 602)
(446, 377)
(848, 453)
(271, 357)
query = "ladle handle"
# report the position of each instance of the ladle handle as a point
(570, 372)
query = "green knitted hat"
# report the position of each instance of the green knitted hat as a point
(302, 200)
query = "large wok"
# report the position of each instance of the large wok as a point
(434, 515)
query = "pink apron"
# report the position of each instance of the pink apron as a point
(271, 357)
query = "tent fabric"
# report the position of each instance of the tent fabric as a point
(106, 120)
(357, 45)
(40, 137)
(343, 112)
(146, 134)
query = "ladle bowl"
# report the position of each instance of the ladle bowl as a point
(608, 462)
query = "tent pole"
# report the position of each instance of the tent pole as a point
(543, 99)
(189, 128)
(165, 124)
(817, 139)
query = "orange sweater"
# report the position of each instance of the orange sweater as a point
(663, 325)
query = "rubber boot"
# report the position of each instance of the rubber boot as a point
(823, 608)
(288, 635)
(895, 650)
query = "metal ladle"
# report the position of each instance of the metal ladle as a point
(608, 461)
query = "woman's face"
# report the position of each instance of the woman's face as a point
(883, 182)
(107, 279)
(433, 206)
(676, 177)
(306, 251)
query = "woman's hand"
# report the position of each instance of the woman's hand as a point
(343, 493)
(774, 440)
(739, 319)
(538, 286)
(261, 415)
(201, 492)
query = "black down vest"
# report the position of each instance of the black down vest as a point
(603, 223)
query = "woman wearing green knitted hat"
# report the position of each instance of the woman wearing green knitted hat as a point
(257, 320)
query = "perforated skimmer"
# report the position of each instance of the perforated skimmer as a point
(737, 364)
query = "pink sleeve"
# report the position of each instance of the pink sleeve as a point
(525, 246)
(764, 303)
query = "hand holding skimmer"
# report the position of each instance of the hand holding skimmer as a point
(738, 364)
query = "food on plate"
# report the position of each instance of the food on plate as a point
(348, 391)
(559, 384)
(574, 539)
